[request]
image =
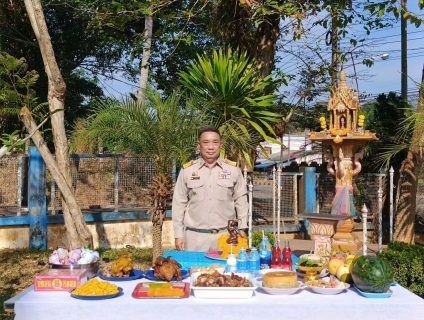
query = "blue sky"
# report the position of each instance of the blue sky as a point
(384, 76)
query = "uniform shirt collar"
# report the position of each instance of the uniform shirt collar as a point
(219, 163)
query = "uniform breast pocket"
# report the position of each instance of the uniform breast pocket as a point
(196, 190)
(224, 190)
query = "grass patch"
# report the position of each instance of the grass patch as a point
(19, 266)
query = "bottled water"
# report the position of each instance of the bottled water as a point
(242, 261)
(265, 253)
(254, 263)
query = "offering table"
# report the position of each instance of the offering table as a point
(303, 305)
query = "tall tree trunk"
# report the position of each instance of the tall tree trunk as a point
(234, 26)
(77, 231)
(145, 61)
(406, 207)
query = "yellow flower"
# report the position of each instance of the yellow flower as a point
(361, 117)
(336, 132)
(226, 248)
(322, 119)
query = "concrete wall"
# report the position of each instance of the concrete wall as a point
(106, 235)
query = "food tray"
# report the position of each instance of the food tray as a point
(108, 296)
(134, 275)
(140, 291)
(383, 295)
(189, 259)
(224, 292)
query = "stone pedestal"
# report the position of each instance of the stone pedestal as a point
(344, 239)
(322, 227)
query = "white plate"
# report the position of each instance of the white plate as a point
(275, 291)
(223, 292)
(328, 290)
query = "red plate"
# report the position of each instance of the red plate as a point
(140, 291)
(215, 255)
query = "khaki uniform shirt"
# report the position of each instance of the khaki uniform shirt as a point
(206, 198)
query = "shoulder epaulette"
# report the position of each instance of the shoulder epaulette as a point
(231, 163)
(188, 164)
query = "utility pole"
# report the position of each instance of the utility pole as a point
(334, 48)
(404, 52)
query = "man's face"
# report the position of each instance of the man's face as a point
(209, 146)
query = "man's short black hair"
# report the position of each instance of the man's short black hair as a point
(209, 129)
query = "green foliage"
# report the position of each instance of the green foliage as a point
(257, 238)
(407, 261)
(10, 141)
(161, 129)
(137, 254)
(387, 118)
(240, 103)
(16, 90)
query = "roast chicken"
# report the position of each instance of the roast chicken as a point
(166, 269)
(122, 267)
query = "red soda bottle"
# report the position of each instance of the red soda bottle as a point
(276, 256)
(287, 257)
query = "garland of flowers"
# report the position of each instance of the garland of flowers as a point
(226, 248)
(337, 139)
(336, 132)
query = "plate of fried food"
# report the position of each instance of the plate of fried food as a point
(95, 289)
(327, 285)
(166, 269)
(133, 275)
(223, 286)
(121, 270)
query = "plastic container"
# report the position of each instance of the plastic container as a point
(242, 261)
(265, 253)
(287, 262)
(59, 279)
(254, 261)
(231, 263)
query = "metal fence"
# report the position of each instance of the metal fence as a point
(118, 181)
(106, 182)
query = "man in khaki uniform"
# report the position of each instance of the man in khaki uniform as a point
(209, 192)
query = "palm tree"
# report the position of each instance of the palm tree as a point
(231, 84)
(161, 129)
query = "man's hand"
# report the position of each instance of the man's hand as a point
(242, 234)
(179, 244)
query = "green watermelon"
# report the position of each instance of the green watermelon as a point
(371, 274)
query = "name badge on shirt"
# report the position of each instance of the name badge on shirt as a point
(224, 175)
(195, 176)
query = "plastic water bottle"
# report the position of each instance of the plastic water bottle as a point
(265, 253)
(231, 263)
(287, 257)
(242, 261)
(254, 261)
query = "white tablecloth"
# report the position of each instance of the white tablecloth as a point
(304, 305)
